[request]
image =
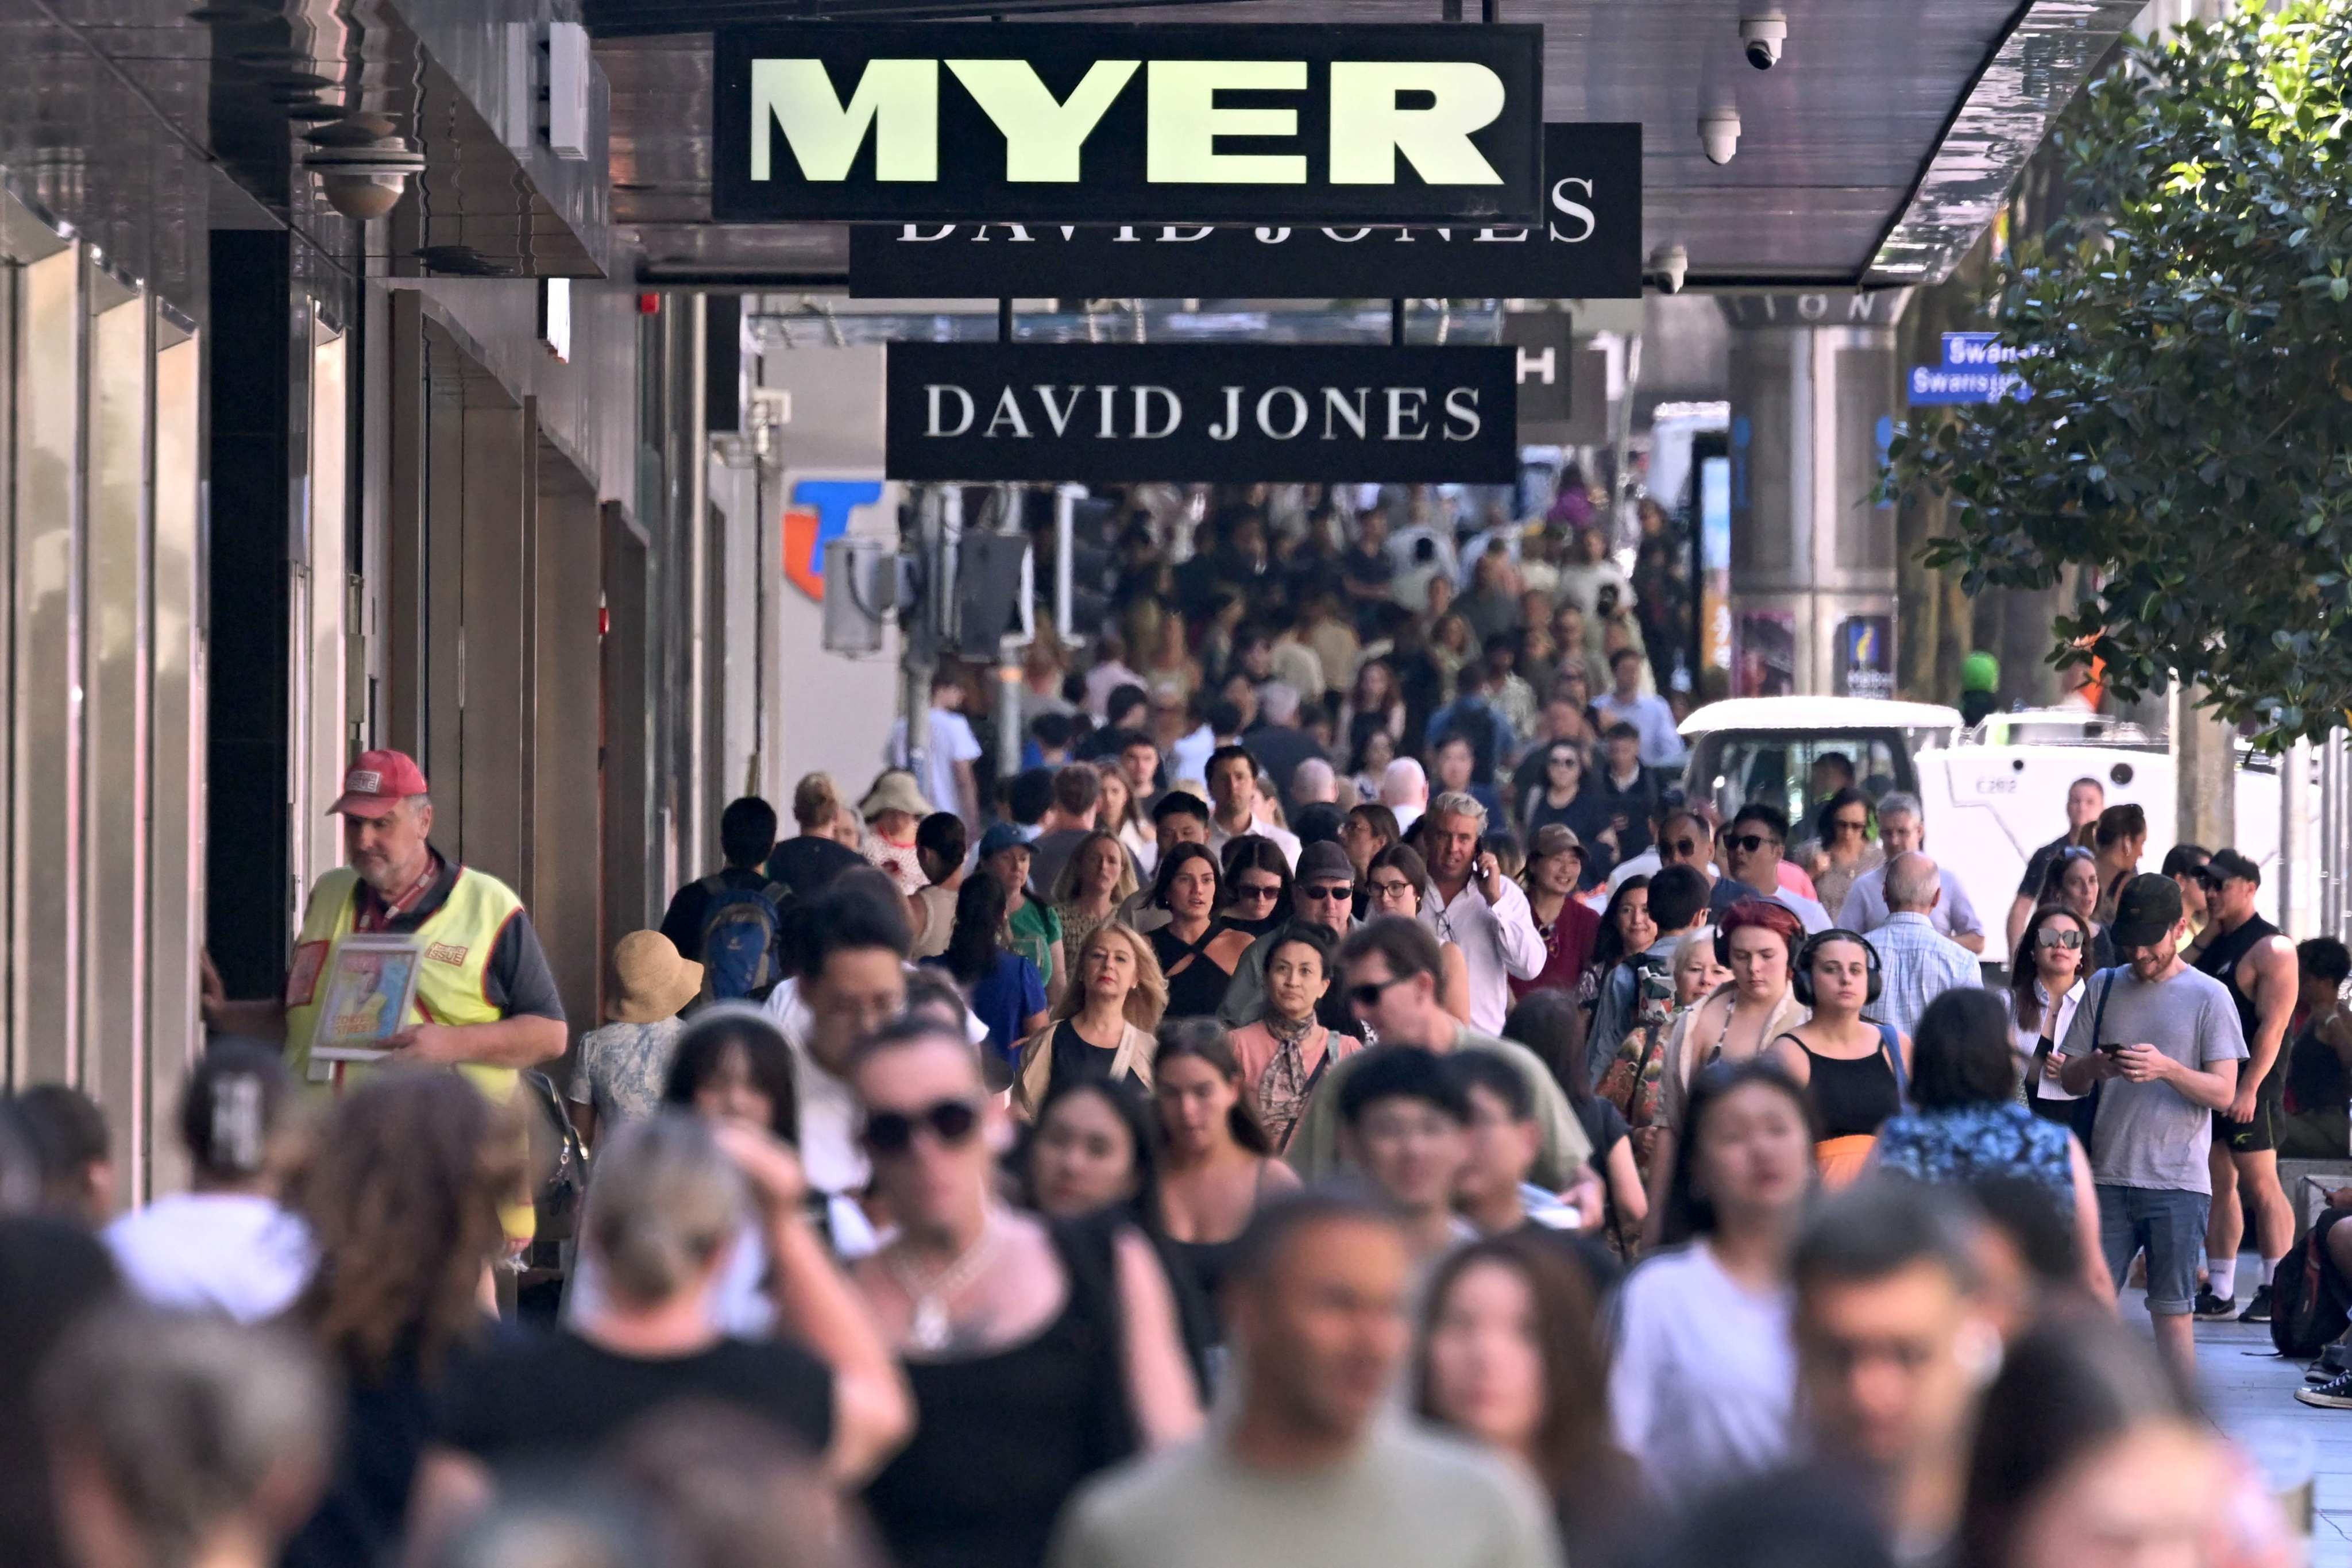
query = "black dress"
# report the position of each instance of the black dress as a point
(1200, 990)
(1077, 1060)
(1001, 1440)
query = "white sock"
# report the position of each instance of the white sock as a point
(2269, 1269)
(2221, 1276)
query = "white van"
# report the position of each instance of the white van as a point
(1989, 807)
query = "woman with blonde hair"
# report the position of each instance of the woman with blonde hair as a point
(1103, 1025)
(1087, 891)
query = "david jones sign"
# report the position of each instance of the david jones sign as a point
(1113, 413)
(1108, 123)
(1587, 246)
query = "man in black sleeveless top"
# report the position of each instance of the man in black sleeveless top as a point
(2246, 954)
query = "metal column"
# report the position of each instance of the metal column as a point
(1813, 388)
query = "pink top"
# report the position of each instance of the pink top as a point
(1281, 1098)
(1254, 1045)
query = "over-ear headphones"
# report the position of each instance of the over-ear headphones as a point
(1801, 974)
(1723, 937)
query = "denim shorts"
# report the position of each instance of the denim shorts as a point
(2170, 1227)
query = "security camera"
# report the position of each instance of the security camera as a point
(1719, 134)
(362, 167)
(1763, 35)
(1669, 264)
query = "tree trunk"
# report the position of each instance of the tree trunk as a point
(2205, 768)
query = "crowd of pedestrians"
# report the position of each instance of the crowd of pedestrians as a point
(1335, 1101)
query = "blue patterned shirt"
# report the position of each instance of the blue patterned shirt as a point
(1966, 1141)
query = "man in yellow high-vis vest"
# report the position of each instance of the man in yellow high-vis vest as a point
(486, 1002)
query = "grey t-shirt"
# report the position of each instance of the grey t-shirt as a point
(1410, 1496)
(2150, 1134)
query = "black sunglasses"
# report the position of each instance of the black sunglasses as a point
(1327, 894)
(893, 1131)
(1752, 842)
(1369, 994)
(1682, 845)
(1258, 889)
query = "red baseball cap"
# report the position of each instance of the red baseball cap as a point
(377, 782)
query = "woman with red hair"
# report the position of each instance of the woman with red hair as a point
(1756, 939)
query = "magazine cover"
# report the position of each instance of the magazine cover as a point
(370, 985)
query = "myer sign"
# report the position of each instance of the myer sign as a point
(1114, 412)
(1587, 246)
(1110, 123)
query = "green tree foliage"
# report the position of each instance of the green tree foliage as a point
(2188, 343)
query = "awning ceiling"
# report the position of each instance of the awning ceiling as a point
(1873, 153)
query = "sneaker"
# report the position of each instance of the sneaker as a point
(2336, 1394)
(2210, 1307)
(2258, 1311)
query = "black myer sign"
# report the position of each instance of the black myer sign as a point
(1078, 122)
(1118, 412)
(1588, 247)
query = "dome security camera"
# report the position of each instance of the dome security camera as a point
(1719, 134)
(1669, 264)
(1763, 35)
(362, 167)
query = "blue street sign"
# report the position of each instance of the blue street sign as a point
(1932, 384)
(1974, 351)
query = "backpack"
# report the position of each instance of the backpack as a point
(1634, 1080)
(740, 929)
(2308, 1300)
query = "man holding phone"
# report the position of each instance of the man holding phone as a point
(1478, 908)
(2165, 1042)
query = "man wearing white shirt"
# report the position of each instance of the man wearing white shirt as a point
(948, 779)
(1233, 798)
(852, 980)
(1478, 910)
(1902, 828)
(1662, 743)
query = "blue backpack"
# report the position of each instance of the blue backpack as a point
(739, 939)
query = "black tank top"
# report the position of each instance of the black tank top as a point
(1001, 1440)
(1199, 991)
(2220, 958)
(1855, 1099)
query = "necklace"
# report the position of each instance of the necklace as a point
(928, 1332)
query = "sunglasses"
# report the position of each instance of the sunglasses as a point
(1849, 824)
(1328, 894)
(951, 1122)
(1681, 846)
(1258, 889)
(1751, 842)
(2051, 936)
(1369, 994)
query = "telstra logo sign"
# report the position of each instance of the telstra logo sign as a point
(818, 511)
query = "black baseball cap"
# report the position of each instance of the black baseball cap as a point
(2229, 865)
(2147, 912)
